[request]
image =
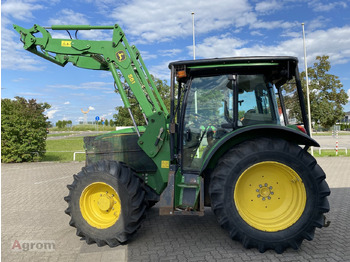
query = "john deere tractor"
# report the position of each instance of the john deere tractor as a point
(236, 138)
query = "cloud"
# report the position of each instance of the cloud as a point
(109, 92)
(91, 108)
(318, 6)
(147, 55)
(20, 10)
(170, 52)
(66, 103)
(51, 113)
(68, 16)
(86, 85)
(59, 34)
(80, 119)
(29, 94)
(221, 46)
(20, 79)
(317, 23)
(333, 42)
(99, 35)
(259, 24)
(16, 57)
(267, 7)
(163, 20)
(161, 70)
(256, 33)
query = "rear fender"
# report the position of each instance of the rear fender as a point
(251, 132)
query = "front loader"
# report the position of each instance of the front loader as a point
(236, 138)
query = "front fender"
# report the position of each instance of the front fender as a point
(251, 132)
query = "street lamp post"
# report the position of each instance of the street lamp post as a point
(307, 89)
(194, 39)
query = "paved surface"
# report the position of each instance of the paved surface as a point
(32, 212)
(329, 141)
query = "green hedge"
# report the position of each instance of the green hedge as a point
(23, 130)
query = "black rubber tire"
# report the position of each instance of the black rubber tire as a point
(151, 196)
(240, 158)
(132, 198)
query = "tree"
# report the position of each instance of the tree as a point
(63, 123)
(59, 124)
(327, 95)
(122, 118)
(23, 130)
(111, 122)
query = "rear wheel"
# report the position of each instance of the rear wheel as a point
(106, 203)
(269, 194)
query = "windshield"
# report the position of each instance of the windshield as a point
(216, 105)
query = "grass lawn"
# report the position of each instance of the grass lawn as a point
(63, 149)
(60, 134)
(326, 153)
(84, 128)
(341, 133)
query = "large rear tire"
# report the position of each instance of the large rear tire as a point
(106, 203)
(269, 194)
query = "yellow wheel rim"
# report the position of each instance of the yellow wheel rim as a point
(100, 205)
(270, 196)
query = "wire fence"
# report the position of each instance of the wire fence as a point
(332, 148)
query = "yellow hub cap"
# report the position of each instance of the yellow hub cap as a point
(270, 196)
(100, 205)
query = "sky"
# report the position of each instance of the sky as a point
(162, 31)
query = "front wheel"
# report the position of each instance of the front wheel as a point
(106, 203)
(269, 194)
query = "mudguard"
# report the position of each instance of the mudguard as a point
(247, 133)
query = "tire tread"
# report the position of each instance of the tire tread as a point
(243, 151)
(128, 178)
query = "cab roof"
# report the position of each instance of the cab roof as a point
(234, 60)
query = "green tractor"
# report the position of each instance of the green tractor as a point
(236, 138)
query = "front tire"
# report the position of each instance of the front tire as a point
(106, 203)
(269, 194)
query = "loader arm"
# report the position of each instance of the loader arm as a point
(114, 56)
(123, 61)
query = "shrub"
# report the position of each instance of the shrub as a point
(23, 130)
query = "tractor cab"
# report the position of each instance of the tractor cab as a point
(223, 96)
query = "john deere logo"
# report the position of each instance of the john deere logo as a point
(120, 56)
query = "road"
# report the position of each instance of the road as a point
(33, 212)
